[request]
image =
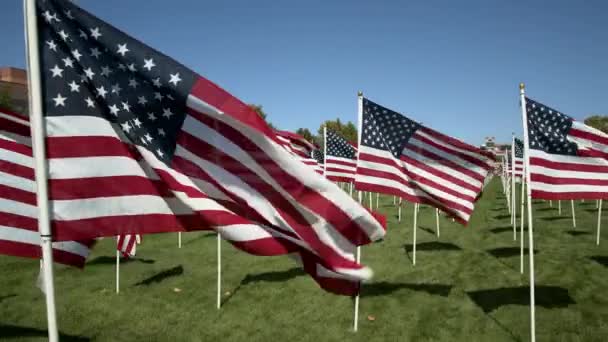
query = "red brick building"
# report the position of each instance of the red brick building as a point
(13, 82)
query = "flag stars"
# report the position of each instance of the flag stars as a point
(74, 87)
(95, 53)
(156, 82)
(49, 18)
(142, 100)
(149, 64)
(122, 49)
(151, 116)
(59, 100)
(114, 109)
(95, 33)
(101, 92)
(148, 137)
(137, 123)
(105, 71)
(133, 83)
(82, 34)
(131, 67)
(90, 102)
(57, 71)
(159, 153)
(68, 62)
(68, 14)
(126, 107)
(52, 45)
(89, 73)
(161, 132)
(116, 89)
(126, 126)
(167, 113)
(158, 96)
(175, 79)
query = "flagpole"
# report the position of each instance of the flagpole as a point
(573, 214)
(38, 136)
(559, 207)
(400, 201)
(358, 255)
(599, 222)
(521, 224)
(179, 239)
(377, 200)
(522, 99)
(324, 147)
(414, 237)
(513, 196)
(219, 270)
(117, 266)
(437, 220)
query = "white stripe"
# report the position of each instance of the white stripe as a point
(574, 160)
(536, 169)
(80, 126)
(16, 182)
(14, 119)
(18, 208)
(559, 188)
(67, 210)
(16, 138)
(451, 147)
(16, 158)
(74, 168)
(29, 237)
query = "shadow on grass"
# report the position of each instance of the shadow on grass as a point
(507, 252)
(2, 298)
(428, 230)
(107, 260)
(602, 260)
(549, 297)
(157, 278)
(593, 211)
(577, 232)
(272, 277)
(386, 288)
(500, 217)
(503, 229)
(546, 209)
(433, 246)
(200, 237)
(554, 218)
(14, 331)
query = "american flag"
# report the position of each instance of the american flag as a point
(138, 143)
(320, 158)
(401, 157)
(126, 244)
(341, 158)
(517, 166)
(18, 212)
(568, 159)
(301, 148)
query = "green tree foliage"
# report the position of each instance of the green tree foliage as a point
(5, 99)
(305, 132)
(348, 130)
(258, 109)
(598, 121)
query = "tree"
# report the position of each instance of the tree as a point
(598, 121)
(258, 109)
(348, 130)
(306, 134)
(5, 99)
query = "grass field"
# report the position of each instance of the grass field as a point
(466, 286)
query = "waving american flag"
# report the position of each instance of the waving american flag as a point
(401, 157)
(341, 158)
(138, 143)
(568, 159)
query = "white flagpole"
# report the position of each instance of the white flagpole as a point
(522, 99)
(597, 204)
(414, 238)
(521, 224)
(324, 147)
(573, 214)
(371, 201)
(179, 239)
(38, 136)
(599, 222)
(117, 267)
(394, 200)
(513, 197)
(559, 207)
(358, 256)
(551, 203)
(351, 189)
(377, 200)
(219, 270)
(437, 220)
(400, 200)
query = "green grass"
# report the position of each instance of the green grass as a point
(439, 299)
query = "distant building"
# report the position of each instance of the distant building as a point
(490, 144)
(13, 82)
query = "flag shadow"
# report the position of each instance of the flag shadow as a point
(200, 237)
(503, 216)
(577, 232)
(3, 298)
(428, 230)
(386, 288)
(14, 331)
(272, 277)
(107, 260)
(549, 297)
(503, 229)
(432, 246)
(507, 252)
(602, 260)
(593, 210)
(545, 209)
(157, 278)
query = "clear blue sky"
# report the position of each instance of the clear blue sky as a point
(454, 65)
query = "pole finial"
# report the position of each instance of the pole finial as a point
(522, 86)
(359, 93)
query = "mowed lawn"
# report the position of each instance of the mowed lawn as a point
(466, 286)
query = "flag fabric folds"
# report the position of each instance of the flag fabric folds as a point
(320, 158)
(18, 214)
(401, 157)
(340, 159)
(301, 148)
(568, 159)
(138, 143)
(127, 244)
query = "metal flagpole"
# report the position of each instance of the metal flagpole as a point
(324, 146)
(219, 270)
(513, 197)
(414, 238)
(179, 239)
(351, 189)
(437, 220)
(521, 224)
(522, 99)
(400, 200)
(358, 256)
(117, 267)
(599, 222)
(573, 214)
(377, 200)
(559, 207)
(38, 136)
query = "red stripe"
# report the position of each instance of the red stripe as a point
(330, 161)
(89, 146)
(560, 166)
(115, 186)
(17, 195)
(14, 114)
(17, 170)
(541, 194)
(14, 127)
(457, 154)
(535, 177)
(457, 143)
(15, 147)
(335, 169)
(600, 139)
(438, 173)
(26, 250)
(442, 161)
(340, 178)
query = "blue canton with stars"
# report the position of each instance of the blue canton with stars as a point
(519, 148)
(90, 68)
(318, 156)
(339, 147)
(548, 129)
(385, 129)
